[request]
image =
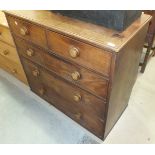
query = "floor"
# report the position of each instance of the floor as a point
(25, 118)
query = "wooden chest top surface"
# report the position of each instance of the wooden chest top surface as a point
(94, 34)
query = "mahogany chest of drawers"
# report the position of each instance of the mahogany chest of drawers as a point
(84, 70)
(9, 59)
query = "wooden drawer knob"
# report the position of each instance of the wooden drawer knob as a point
(74, 52)
(0, 33)
(30, 52)
(77, 98)
(6, 52)
(76, 75)
(41, 91)
(78, 116)
(35, 73)
(23, 31)
(14, 71)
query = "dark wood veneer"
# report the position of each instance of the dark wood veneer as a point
(88, 80)
(88, 55)
(105, 64)
(52, 87)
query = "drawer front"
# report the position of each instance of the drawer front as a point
(81, 53)
(28, 31)
(15, 69)
(76, 103)
(5, 35)
(90, 81)
(28, 51)
(9, 52)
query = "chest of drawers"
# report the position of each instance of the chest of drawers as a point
(9, 59)
(84, 70)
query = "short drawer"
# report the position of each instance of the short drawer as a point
(9, 52)
(86, 109)
(15, 69)
(5, 35)
(27, 31)
(86, 79)
(79, 52)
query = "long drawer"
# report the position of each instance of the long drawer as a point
(15, 69)
(78, 75)
(79, 52)
(9, 52)
(81, 106)
(5, 35)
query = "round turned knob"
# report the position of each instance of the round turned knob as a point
(6, 52)
(14, 71)
(35, 73)
(0, 33)
(74, 52)
(23, 31)
(76, 75)
(78, 116)
(30, 52)
(77, 98)
(41, 91)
